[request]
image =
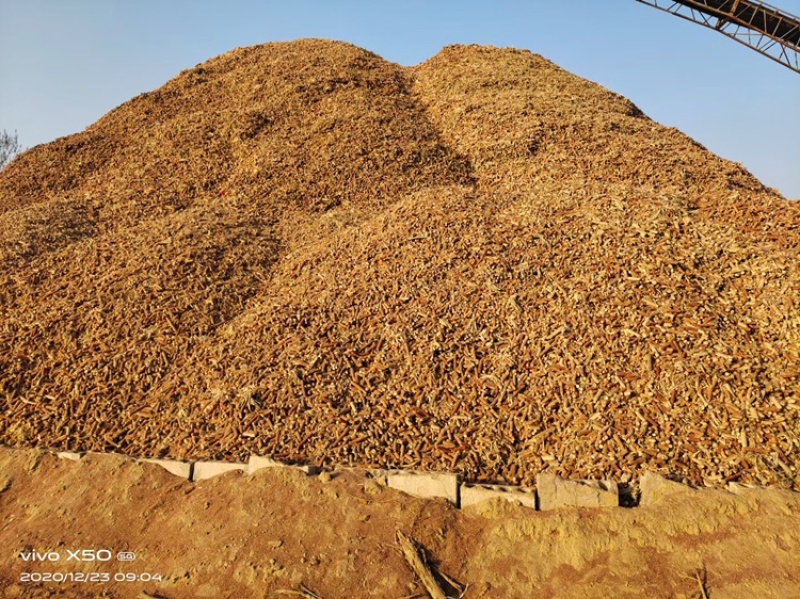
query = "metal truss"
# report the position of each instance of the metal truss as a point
(764, 28)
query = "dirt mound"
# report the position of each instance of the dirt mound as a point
(275, 532)
(483, 264)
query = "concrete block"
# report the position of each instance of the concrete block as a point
(257, 463)
(740, 488)
(203, 470)
(557, 492)
(425, 484)
(69, 455)
(472, 494)
(654, 488)
(182, 469)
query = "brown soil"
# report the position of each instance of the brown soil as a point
(278, 530)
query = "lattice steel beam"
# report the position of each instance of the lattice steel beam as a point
(766, 29)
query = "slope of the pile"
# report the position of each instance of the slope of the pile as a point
(525, 123)
(589, 321)
(307, 124)
(593, 293)
(123, 246)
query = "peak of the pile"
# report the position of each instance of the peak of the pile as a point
(485, 52)
(309, 123)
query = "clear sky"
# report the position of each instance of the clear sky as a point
(65, 63)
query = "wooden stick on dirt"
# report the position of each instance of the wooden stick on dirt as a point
(417, 564)
(702, 583)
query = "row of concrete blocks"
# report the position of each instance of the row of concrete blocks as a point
(551, 492)
(196, 471)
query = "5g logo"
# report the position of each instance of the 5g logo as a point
(126, 556)
(89, 555)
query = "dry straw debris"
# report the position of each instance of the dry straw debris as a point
(481, 264)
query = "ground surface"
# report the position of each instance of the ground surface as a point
(278, 529)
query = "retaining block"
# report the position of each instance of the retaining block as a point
(557, 492)
(69, 455)
(425, 484)
(182, 469)
(472, 494)
(740, 488)
(257, 463)
(203, 470)
(654, 488)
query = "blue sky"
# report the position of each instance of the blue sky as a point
(65, 63)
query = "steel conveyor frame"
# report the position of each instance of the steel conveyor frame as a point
(766, 29)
